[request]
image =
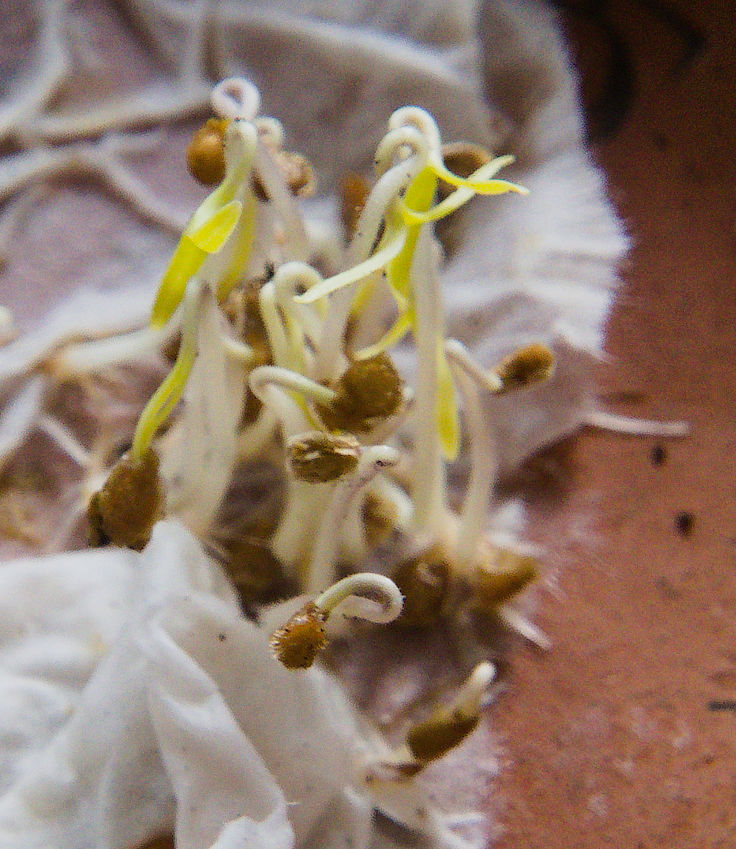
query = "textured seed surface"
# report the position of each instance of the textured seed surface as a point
(159, 843)
(379, 519)
(320, 457)
(301, 639)
(367, 392)
(96, 536)
(127, 507)
(244, 313)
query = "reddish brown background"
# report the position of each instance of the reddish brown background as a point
(611, 738)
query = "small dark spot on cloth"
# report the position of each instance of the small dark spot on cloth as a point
(221, 638)
(684, 522)
(658, 455)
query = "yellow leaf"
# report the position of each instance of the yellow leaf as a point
(212, 235)
(479, 181)
(167, 396)
(352, 275)
(185, 263)
(419, 196)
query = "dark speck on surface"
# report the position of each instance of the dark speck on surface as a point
(221, 638)
(722, 705)
(684, 522)
(658, 455)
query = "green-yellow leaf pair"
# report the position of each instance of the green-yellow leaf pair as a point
(193, 249)
(212, 225)
(396, 253)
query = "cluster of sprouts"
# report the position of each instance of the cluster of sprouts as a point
(277, 334)
(302, 322)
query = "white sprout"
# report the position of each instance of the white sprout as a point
(65, 439)
(8, 330)
(414, 116)
(428, 490)
(516, 620)
(271, 130)
(301, 320)
(287, 322)
(391, 184)
(236, 97)
(269, 382)
(469, 698)
(274, 386)
(320, 523)
(364, 595)
(372, 461)
(168, 394)
(86, 357)
(19, 416)
(255, 439)
(295, 241)
(636, 427)
(483, 462)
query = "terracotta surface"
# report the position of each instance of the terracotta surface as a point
(625, 733)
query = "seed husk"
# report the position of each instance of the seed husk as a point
(130, 503)
(526, 366)
(379, 519)
(244, 313)
(318, 457)
(206, 152)
(255, 570)
(424, 582)
(503, 577)
(297, 643)
(296, 171)
(367, 392)
(354, 191)
(434, 737)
